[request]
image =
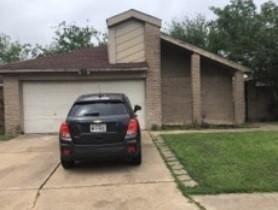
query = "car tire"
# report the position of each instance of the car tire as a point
(137, 160)
(67, 164)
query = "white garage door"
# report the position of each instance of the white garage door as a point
(46, 104)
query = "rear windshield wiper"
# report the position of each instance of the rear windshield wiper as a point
(93, 114)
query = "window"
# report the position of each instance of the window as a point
(97, 109)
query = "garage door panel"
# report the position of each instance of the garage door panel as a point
(46, 104)
(43, 126)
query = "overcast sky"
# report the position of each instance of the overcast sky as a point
(32, 21)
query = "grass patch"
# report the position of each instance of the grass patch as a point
(228, 162)
(203, 126)
(4, 137)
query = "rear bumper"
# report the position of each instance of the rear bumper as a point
(105, 151)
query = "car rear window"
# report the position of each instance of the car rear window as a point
(98, 109)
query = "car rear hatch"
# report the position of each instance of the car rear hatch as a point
(98, 122)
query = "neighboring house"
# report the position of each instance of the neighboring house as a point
(259, 102)
(174, 82)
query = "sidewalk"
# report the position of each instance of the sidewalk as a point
(239, 201)
(253, 127)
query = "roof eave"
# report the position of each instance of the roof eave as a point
(132, 13)
(205, 53)
(74, 70)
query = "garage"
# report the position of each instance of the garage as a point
(169, 78)
(46, 103)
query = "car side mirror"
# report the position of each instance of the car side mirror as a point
(137, 108)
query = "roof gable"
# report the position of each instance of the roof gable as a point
(133, 14)
(204, 53)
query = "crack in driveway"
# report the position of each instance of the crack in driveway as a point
(108, 185)
(43, 184)
(41, 174)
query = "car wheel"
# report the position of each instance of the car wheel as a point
(137, 160)
(67, 164)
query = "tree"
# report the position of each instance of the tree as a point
(249, 36)
(12, 51)
(69, 37)
(194, 31)
(242, 33)
(232, 34)
(235, 31)
(265, 64)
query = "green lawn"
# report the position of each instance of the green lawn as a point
(228, 162)
(5, 137)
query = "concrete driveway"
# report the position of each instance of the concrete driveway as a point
(32, 178)
(238, 201)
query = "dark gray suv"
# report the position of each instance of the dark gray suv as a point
(100, 126)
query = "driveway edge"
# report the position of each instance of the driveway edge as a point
(177, 170)
(173, 163)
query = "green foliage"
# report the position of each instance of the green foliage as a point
(240, 32)
(249, 36)
(194, 31)
(4, 137)
(12, 51)
(235, 30)
(69, 37)
(265, 64)
(228, 162)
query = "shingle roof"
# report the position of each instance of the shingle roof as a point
(94, 57)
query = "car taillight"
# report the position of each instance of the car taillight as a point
(65, 132)
(132, 128)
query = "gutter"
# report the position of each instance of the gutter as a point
(74, 70)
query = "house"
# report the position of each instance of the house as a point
(174, 82)
(259, 102)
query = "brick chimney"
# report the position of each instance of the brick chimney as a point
(134, 36)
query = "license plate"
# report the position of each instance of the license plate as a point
(98, 128)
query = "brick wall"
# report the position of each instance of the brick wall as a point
(153, 81)
(12, 105)
(214, 102)
(217, 92)
(196, 88)
(176, 85)
(239, 97)
(1, 110)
